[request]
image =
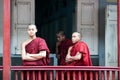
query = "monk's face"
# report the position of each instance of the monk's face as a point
(60, 37)
(31, 30)
(75, 37)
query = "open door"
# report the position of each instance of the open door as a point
(23, 14)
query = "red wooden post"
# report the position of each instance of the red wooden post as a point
(113, 75)
(6, 39)
(39, 75)
(16, 75)
(51, 75)
(62, 75)
(68, 75)
(108, 75)
(79, 75)
(28, 75)
(45, 75)
(22, 75)
(102, 75)
(74, 75)
(91, 75)
(118, 38)
(96, 75)
(56, 75)
(33, 74)
(85, 75)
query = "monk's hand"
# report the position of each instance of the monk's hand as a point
(28, 54)
(78, 56)
(70, 48)
(69, 58)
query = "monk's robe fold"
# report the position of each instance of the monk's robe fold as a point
(34, 47)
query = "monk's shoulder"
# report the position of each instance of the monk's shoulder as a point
(40, 39)
(68, 42)
(83, 44)
(25, 42)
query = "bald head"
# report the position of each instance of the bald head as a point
(76, 36)
(31, 29)
(32, 25)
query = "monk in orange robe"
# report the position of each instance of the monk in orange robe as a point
(34, 52)
(78, 54)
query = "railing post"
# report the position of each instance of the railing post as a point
(56, 75)
(51, 75)
(68, 75)
(6, 40)
(118, 12)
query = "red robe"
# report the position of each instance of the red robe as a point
(34, 47)
(62, 50)
(84, 61)
(83, 49)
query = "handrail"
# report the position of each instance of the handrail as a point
(95, 68)
(90, 68)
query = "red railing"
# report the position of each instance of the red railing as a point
(66, 72)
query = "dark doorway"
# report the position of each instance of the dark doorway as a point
(51, 15)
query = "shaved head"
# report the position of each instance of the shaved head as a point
(76, 36)
(32, 25)
(31, 29)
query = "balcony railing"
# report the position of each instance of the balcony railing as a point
(70, 72)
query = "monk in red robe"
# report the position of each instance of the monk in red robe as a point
(34, 52)
(78, 54)
(62, 47)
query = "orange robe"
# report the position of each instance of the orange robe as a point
(34, 47)
(85, 59)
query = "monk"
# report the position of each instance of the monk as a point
(62, 46)
(78, 54)
(34, 51)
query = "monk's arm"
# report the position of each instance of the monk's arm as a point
(78, 56)
(40, 55)
(57, 55)
(68, 57)
(73, 58)
(24, 55)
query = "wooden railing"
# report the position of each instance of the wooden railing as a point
(65, 72)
